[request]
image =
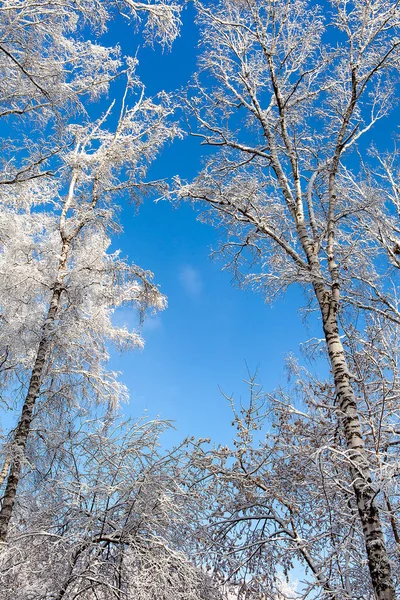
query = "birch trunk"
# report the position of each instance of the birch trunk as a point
(378, 560)
(23, 428)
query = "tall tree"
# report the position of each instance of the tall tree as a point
(283, 95)
(60, 285)
(58, 185)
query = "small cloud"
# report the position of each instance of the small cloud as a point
(191, 281)
(125, 316)
(152, 323)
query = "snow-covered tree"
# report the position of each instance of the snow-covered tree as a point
(278, 502)
(48, 61)
(60, 175)
(60, 283)
(99, 516)
(53, 64)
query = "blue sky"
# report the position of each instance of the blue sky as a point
(209, 331)
(201, 343)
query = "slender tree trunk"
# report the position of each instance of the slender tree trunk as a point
(17, 453)
(393, 521)
(69, 577)
(378, 560)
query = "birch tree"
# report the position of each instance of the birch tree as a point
(60, 284)
(281, 495)
(284, 97)
(58, 186)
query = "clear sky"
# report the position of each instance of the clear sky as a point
(202, 341)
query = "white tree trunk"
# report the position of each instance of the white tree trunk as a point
(378, 560)
(17, 453)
